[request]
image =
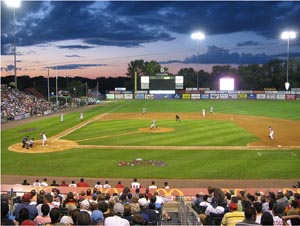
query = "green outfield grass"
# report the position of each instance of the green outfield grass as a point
(232, 164)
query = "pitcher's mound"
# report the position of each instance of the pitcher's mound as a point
(156, 130)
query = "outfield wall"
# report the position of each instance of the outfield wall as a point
(205, 95)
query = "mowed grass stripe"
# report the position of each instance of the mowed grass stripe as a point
(266, 108)
(187, 133)
(221, 164)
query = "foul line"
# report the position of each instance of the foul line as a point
(68, 131)
(273, 152)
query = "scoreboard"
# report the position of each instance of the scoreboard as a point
(162, 82)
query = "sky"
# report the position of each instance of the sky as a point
(99, 38)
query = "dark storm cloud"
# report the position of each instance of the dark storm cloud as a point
(247, 43)
(75, 47)
(9, 67)
(75, 66)
(216, 55)
(134, 23)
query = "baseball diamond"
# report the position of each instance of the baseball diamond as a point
(76, 138)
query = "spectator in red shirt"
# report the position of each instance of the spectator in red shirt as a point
(82, 183)
(64, 184)
(119, 185)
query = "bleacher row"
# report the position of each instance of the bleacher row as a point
(146, 208)
(211, 206)
(17, 105)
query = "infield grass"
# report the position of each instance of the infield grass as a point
(88, 162)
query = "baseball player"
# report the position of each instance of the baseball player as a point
(271, 133)
(24, 141)
(153, 124)
(203, 112)
(177, 118)
(144, 111)
(44, 139)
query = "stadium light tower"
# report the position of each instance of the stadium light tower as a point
(14, 4)
(288, 35)
(198, 36)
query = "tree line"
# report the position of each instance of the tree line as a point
(247, 77)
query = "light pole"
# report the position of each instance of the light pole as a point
(288, 35)
(198, 36)
(56, 86)
(14, 4)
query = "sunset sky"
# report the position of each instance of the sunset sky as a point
(99, 38)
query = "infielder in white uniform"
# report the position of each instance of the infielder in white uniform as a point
(271, 133)
(203, 112)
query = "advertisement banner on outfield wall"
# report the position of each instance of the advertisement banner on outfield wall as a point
(177, 96)
(242, 96)
(291, 96)
(210, 91)
(186, 96)
(214, 96)
(271, 96)
(233, 91)
(280, 97)
(283, 92)
(141, 91)
(271, 91)
(297, 96)
(110, 96)
(149, 96)
(224, 96)
(119, 96)
(128, 96)
(232, 96)
(261, 96)
(114, 91)
(163, 96)
(195, 96)
(246, 91)
(259, 92)
(251, 96)
(204, 96)
(139, 96)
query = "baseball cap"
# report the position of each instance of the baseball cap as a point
(85, 203)
(118, 208)
(97, 216)
(26, 197)
(143, 202)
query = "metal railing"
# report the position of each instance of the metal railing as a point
(187, 216)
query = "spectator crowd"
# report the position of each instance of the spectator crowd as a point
(15, 103)
(226, 209)
(88, 207)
